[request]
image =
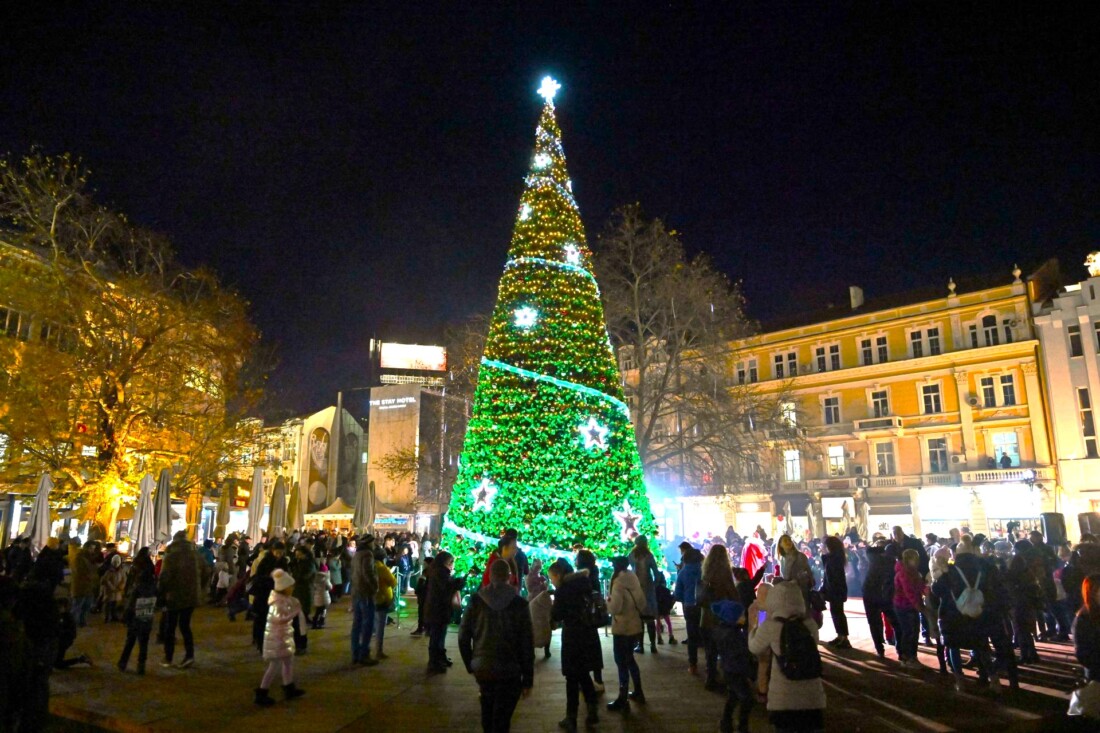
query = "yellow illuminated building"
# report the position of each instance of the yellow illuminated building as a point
(923, 411)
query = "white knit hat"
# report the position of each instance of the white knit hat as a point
(282, 578)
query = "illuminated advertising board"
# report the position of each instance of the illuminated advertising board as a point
(413, 356)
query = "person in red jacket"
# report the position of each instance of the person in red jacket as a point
(909, 592)
(506, 551)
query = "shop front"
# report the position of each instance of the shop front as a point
(750, 515)
(1010, 502)
(886, 511)
(793, 510)
(941, 509)
(838, 513)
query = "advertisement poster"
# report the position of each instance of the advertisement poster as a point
(318, 470)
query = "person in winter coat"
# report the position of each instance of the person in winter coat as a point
(834, 587)
(665, 602)
(260, 586)
(540, 607)
(716, 585)
(83, 581)
(625, 606)
(422, 595)
(364, 586)
(303, 568)
(909, 590)
(878, 591)
(180, 579)
(958, 630)
(793, 705)
(691, 570)
(738, 666)
(645, 567)
(581, 653)
(112, 586)
(279, 647)
(140, 608)
(1026, 596)
(586, 561)
(442, 586)
(322, 588)
(506, 550)
(495, 641)
(1086, 628)
(794, 566)
(535, 582)
(383, 599)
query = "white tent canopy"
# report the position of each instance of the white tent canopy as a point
(338, 508)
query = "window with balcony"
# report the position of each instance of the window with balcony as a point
(884, 459)
(827, 357)
(866, 352)
(786, 365)
(924, 342)
(882, 349)
(989, 330)
(1006, 444)
(1074, 333)
(1088, 424)
(837, 465)
(916, 345)
(989, 392)
(1008, 390)
(792, 466)
(931, 399)
(830, 407)
(1007, 323)
(933, 335)
(937, 455)
(880, 403)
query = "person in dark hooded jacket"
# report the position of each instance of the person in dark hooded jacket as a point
(581, 652)
(495, 641)
(878, 590)
(442, 586)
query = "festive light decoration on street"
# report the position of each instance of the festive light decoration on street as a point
(483, 495)
(548, 89)
(549, 424)
(526, 317)
(594, 434)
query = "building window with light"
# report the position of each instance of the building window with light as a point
(792, 466)
(931, 400)
(1088, 424)
(1074, 333)
(789, 414)
(831, 410)
(1006, 444)
(836, 460)
(880, 403)
(884, 459)
(741, 373)
(937, 455)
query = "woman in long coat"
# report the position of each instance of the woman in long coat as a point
(645, 567)
(581, 653)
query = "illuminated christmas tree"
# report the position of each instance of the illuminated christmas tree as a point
(550, 447)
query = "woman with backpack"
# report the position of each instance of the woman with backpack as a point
(586, 561)
(716, 585)
(834, 587)
(738, 665)
(625, 605)
(796, 697)
(909, 590)
(965, 618)
(645, 567)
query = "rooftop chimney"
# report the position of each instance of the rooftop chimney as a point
(856, 294)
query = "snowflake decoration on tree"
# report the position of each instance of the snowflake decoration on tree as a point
(594, 434)
(483, 495)
(628, 521)
(526, 317)
(572, 254)
(541, 161)
(525, 212)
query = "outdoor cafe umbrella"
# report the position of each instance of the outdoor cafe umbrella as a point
(846, 515)
(162, 507)
(811, 519)
(221, 519)
(38, 525)
(294, 519)
(276, 519)
(256, 504)
(141, 529)
(364, 508)
(788, 521)
(863, 520)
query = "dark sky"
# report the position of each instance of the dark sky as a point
(356, 172)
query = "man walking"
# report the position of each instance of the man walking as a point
(497, 647)
(364, 585)
(180, 580)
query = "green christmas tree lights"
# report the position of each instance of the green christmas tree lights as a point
(550, 447)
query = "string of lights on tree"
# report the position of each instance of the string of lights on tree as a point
(550, 448)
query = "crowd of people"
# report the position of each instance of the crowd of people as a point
(753, 606)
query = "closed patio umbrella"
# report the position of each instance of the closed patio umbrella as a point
(221, 519)
(256, 504)
(276, 519)
(863, 519)
(846, 514)
(788, 521)
(141, 529)
(294, 517)
(162, 507)
(811, 519)
(38, 525)
(364, 508)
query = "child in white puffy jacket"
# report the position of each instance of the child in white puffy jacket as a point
(322, 597)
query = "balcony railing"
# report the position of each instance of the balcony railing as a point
(890, 422)
(884, 482)
(1007, 475)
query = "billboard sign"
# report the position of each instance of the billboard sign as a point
(413, 356)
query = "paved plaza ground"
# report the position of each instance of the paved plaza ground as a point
(864, 693)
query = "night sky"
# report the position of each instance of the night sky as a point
(356, 173)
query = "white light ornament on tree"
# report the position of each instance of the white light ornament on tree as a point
(524, 212)
(549, 88)
(526, 317)
(628, 521)
(572, 254)
(542, 160)
(594, 434)
(483, 495)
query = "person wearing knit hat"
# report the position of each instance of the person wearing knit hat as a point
(278, 647)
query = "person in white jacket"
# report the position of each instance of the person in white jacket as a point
(625, 606)
(793, 705)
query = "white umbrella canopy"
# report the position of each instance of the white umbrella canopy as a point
(788, 522)
(256, 504)
(38, 525)
(141, 530)
(863, 520)
(276, 520)
(294, 518)
(162, 507)
(811, 519)
(364, 508)
(221, 520)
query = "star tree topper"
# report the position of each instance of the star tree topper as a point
(483, 495)
(594, 434)
(628, 520)
(549, 88)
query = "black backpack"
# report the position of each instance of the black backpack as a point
(595, 610)
(798, 657)
(732, 644)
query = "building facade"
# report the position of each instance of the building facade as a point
(1068, 328)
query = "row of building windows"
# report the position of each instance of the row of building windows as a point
(1076, 345)
(996, 391)
(19, 325)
